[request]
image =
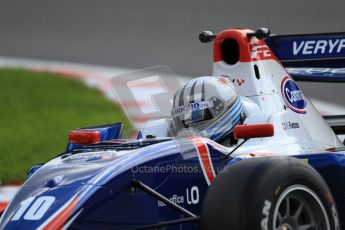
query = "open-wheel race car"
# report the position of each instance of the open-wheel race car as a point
(242, 149)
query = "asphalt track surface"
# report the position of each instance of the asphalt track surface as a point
(142, 33)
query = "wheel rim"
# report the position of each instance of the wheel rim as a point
(298, 207)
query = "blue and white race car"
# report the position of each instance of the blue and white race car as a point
(242, 149)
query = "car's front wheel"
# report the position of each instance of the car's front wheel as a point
(275, 193)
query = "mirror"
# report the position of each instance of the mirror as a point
(253, 131)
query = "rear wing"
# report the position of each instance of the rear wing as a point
(311, 57)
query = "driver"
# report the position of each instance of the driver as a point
(208, 107)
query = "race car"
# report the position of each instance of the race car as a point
(242, 149)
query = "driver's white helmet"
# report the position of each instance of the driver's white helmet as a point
(206, 106)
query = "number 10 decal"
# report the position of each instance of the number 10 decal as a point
(33, 209)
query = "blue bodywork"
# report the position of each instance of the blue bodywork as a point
(94, 184)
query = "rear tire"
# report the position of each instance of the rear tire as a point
(269, 193)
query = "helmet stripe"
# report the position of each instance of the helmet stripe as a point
(226, 130)
(225, 117)
(192, 99)
(180, 103)
(203, 91)
(228, 121)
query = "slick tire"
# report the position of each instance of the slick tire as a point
(269, 193)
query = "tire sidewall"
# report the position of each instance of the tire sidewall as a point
(275, 180)
(245, 194)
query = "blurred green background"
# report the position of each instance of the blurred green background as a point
(37, 112)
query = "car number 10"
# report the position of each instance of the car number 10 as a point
(33, 209)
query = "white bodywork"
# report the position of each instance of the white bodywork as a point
(263, 102)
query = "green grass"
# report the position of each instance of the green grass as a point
(37, 112)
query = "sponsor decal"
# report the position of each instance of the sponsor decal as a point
(196, 106)
(175, 199)
(335, 217)
(293, 96)
(326, 72)
(239, 82)
(309, 47)
(192, 197)
(70, 166)
(89, 157)
(260, 52)
(290, 125)
(265, 212)
(317, 47)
